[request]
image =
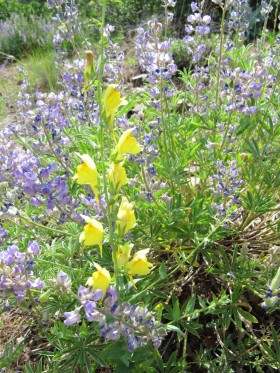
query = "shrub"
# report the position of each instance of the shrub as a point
(20, 35)
(25, 7)
(41, 70)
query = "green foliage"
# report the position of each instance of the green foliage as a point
(20, 36)
(2, 107)
(41, 70)
(24, 7)
(181, 54)
(10, 354)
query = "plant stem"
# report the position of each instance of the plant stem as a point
(220, 52)
(112, 240)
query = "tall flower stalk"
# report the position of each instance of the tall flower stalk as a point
(112, 240)
(222, 29)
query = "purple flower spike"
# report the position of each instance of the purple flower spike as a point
(136, 324)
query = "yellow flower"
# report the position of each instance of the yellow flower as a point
(123, 254)
(100, 279)
(138, 265)
(117, 175)
(112, 100)
(87, 174)
(126, 145)
(93, 233)
(126, 216)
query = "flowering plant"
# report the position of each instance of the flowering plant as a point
(139, 225)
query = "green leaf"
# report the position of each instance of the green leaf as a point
(247, 316)
(191, 330)
(97, 358)
(159, 360)
(237, 319)
(114, 350)
(171, 361)
(190, 305)
(162, 271)
(226, 319)
(176, 313)
(83, 329)
(276, 344)
(87, 362)
(174, 328)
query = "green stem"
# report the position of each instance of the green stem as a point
(112, 241)
(37, 225)
(275, 19)
(165, 137)
(220, 53)
(55, 156)
(264, 31)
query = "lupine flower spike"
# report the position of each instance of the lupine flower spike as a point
(93, 233)
(115, 319)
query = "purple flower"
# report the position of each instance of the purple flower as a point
(33, 248)
(16, 275)
(194, 6)
(136, 324)
(72, 317)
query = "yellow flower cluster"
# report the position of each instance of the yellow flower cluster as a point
(93, 232)
(138, 265)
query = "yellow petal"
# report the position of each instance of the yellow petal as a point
(139, 265)
(117, 176)
(112, 100)
(93, 232)
(86, 172)
(126, 216)
(100, 279)
(126, 145)
(123, 254)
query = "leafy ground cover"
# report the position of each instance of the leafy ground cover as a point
(140, 216)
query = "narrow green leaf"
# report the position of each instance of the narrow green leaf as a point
(171, 361)
(174, 328)
(247, 315)
(276, 344)
(190, 305)
(162, 270)
(97, 358)
(159, 360)
(237, 319)
(176, 313)
(191, 330)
